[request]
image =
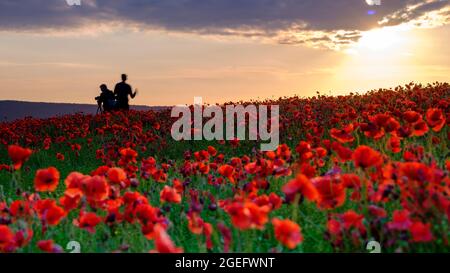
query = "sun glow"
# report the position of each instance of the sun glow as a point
(379, 39)
(381, 55)
(382, 40)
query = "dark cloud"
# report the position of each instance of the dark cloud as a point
(414, 12)
(249, 18)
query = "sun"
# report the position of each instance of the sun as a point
(382, 42)
(381, 53)
(382, 39)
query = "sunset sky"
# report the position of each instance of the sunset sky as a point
(222, 50)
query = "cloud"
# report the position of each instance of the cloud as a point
(326, 23)
(424, 14)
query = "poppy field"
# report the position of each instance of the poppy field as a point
(349, 170)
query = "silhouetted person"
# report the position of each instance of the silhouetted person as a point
(107, 99)
(122, 91)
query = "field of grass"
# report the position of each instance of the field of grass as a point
(349, 170)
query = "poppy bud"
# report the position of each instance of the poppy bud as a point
(134, 182)
(166, 208)
(196, 207)
(212, 207)
(111, 218)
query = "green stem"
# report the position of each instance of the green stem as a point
(295, 208)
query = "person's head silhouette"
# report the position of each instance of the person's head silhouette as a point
(103, 87)
(124, 77)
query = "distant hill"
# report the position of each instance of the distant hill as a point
(13, 110)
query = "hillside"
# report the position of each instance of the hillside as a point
(13, 110)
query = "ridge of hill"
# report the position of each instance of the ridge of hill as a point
(11, 110)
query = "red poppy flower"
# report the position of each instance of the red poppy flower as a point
(203, 168)
(391, 125)
(334, 227)
(352, 219)
(42, 205)
(400, 220)
(283, 152)
(178, 185)
(421, 233)
(195, 223)
(380, 119)
(75, 180)
(419, 128)
(116, 175)
(128, 155)
(201, 155)
(49, 212)
(351, 181)
(344, 153)
(20, 208)
(304, 150)
(343, 135)
(331, 192)
(394, 144)
(60, 157)
(377, 211)
(49, 246)
(18, 155)
(7, 242)
(134, 198)
(87, 221)
(227, 171)
(372, 130)
(71, 199)
(271, 155)
(159, 176)
(301, 186)
(366, 157)
(234, 142)
(163, 243)
(170, 195)
(275, 201)
(212, 151)
(412, 116)
(288, 233)
(23, 237)
(148, 216)
(248, 215)
(320, 152)
(54, 215)
(46, 180)
(96, 188)
(416, 171)
(436, 119)
(307, 170)
(148, 230)
(101, 171)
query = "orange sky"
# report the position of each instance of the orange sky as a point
(171, 67)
